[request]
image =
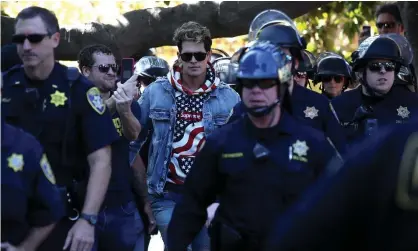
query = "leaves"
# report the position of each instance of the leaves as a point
(334, 27)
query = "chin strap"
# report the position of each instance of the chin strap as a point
(261, 111)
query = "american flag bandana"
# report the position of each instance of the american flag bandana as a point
(210, 84)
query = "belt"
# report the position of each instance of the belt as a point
(69, 198)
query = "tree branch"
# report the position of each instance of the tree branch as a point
(140, 30)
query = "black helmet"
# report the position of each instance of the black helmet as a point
(309, 62)
(377, 47)
(151, 67)
(329, 63)
(217, 53)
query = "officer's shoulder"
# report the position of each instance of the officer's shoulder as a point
(346, 97)
(314, 96)
(11, 72)
(22, 141)
(226, 131)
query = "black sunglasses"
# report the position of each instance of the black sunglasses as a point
(33, 38)
(199, 56)
(104, 68)
(388, 25)
(377, 67)
(337, 79)
(262, 83)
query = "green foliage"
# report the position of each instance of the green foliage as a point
(335, 26)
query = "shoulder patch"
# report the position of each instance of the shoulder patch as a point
(95, 100)
(46, 168)
(407, 187)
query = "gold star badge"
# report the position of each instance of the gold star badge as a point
(58, 98)
(403, 112)
(16, 162)
(311, 112)
(300, 148)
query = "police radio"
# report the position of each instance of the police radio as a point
(127, 69)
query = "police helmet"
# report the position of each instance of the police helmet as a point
(221, 68)
(264, 60)
(276, 27)
(377, 47)
(330, 63)
(309, 62)
(151, 67)
(217, 53)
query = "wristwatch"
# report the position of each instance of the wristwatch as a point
(90, 218)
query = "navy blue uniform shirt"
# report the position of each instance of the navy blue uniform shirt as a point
(43, 108)
(251, 192)
(120, 189)
(370, 203)
(29, 197)
(312, 109)
(397, 107)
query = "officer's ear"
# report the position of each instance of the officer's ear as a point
(85, 71)
(55, 38)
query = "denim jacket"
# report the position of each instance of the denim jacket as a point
(159, 108)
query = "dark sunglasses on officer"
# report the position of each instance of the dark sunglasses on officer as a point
(261, 83)
(329, 78)
(199, 56)
(32, 38)
(378, 66)
(387, 25)
(104, 68)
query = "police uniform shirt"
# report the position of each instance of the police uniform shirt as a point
(312, 109)
(44, 108)
(371, 203)
(29, 197)
(250, 191)
(120, 189)
(396, 107)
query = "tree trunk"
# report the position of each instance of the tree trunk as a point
(409, 13)
(147, 28)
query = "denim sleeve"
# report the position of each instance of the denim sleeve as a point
(144, 104)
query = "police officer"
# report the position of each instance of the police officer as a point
(65, 112)
(217, 53)
(334, 72)
(31, 203)
(221, 66)
(369, 204)
(148, 69)
(259, 163)
(305, 71)
(378, 101)
(305, 105)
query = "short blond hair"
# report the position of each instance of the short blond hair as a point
(195, 32)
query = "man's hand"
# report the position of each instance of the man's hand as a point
(80, 236)
(10, 247)
(211, 210)
(152, 224)
(125, 93)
